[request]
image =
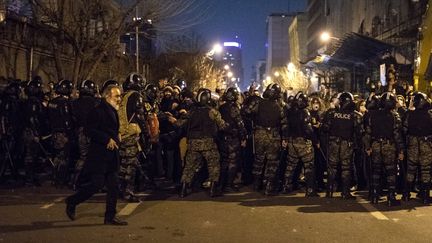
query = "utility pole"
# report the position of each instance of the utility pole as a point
(136, 40)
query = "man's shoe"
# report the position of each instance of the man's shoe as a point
(184, 190)
(70, 211)
(115, 221)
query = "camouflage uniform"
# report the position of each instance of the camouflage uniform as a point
(202, 125)
(271, 125)
(300, 148)
(418, 129)
(342, 128)
(130, 115)
(384, 138)
(231, 142)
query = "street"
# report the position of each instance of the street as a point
(37, 215)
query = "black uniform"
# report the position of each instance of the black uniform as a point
(80, 110)
(35, 123)
(11, 125)
(61, 123)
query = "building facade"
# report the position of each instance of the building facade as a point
(278, 46)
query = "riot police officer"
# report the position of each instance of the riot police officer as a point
(233, 139)
(343, 127)
(248, 161)
(80, 108)
(11, 125)
(301, 139)
(418, 130)
(35, 121)
(61, 122)
(383, 142)
(270, 127)
(132, 120)
(201, 125)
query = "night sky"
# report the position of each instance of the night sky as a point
(247, 20)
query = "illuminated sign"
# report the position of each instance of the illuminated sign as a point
(233, 44)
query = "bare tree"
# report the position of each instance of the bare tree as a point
(89, 30)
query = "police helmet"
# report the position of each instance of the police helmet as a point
(421, 101)
(301, 100)
(231, 94)
(64, 87)
(388, 101)
(151, 92)
(203, 97)
(34, 87)
(88, 88)
(346, 101)
(373, 102)
(134, 82)
(13, 89)
(273, 92)
(181, 83)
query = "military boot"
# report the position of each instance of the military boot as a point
(426, 193)
(214, 190)
(270, 190)
(257, 183)
(230, 185)
(287, 187)
(184, 189)
(330, 189)
(374, 195)
(406, 195)
(310, 185)
(346, 194)
(391, 198)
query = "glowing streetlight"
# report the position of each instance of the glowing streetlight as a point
(226, 67)
(291, 67)
(217, 48)
(230, 74)
(326, 36)
(276, 74)
(269, 79)
(233, 79)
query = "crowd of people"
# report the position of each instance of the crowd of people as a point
(274, 142)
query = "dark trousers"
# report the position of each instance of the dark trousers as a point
(92, 185)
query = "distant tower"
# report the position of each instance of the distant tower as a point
(232, 56)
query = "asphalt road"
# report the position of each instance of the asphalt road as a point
(37, 215)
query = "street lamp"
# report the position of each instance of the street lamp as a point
(291, 67)
(276, 74)
(226, 67)
(217, 48)
(326, 37)
(230, 74)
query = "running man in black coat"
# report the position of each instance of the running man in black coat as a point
(102, 163)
